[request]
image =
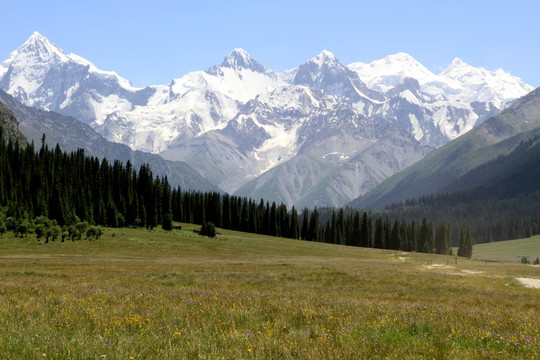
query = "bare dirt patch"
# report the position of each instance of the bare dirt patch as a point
(437, 266)
(530, 282)
(473, 272)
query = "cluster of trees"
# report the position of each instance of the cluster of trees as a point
(343, 226)
(354, 229)
(72, 187)
(489, 218)
(48, 229)
(235, 213)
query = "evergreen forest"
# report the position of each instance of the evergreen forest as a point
(72, 193)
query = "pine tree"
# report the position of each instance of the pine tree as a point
(366, 231)
(465, 243)
(340, 228)
(395, 236)
(356, 236)
(425, 240)
(305, 224)
(294, 228)
(378, 241)
(441, 239)
(313, 232)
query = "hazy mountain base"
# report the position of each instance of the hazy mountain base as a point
(322, 175)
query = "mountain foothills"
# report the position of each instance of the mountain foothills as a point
(320, 134)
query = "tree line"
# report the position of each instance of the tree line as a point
(73, 189)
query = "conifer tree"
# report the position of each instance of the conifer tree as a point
(378, 241)
(294, 228)
(441, 239)
(465, 243)
(313, 232)
(305, 224)
(395, 236)
(366, 231)
(340, 228)
(356, 237)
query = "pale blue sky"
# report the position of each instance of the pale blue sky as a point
(154, 41)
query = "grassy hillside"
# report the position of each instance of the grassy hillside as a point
(136, 294)
(512, 250)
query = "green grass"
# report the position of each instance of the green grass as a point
(511, 250)
(157, 295)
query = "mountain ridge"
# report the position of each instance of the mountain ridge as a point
(224, 121)
(440, 168)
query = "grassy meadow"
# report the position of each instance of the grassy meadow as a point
(138, 294)
(511, 250)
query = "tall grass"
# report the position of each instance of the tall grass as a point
(158, 295)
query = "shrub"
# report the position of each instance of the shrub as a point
(208, 229)
(94, 233)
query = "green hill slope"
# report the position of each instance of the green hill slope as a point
(499, 200)
(511, 250)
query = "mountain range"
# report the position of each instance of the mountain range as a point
(320, 134)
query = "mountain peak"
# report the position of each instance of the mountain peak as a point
(36, 36)
(37, 39)
(38, 45)
(325, 57)
(386, 73)
(456, 64)
(457, 61)
(401, 59)
(240, 59)
(401, 56)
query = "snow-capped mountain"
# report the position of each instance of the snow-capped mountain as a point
(41, 75)
(385, 74)
(192, 105)
(459, 82)
(322, 133)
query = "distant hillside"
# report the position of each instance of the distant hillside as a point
(9, 125)
(499, 200)
(512, 250)
(442, 167)
(72, 134)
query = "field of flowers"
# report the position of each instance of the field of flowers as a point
(136, 294)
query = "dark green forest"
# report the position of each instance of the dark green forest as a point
(72, 188)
